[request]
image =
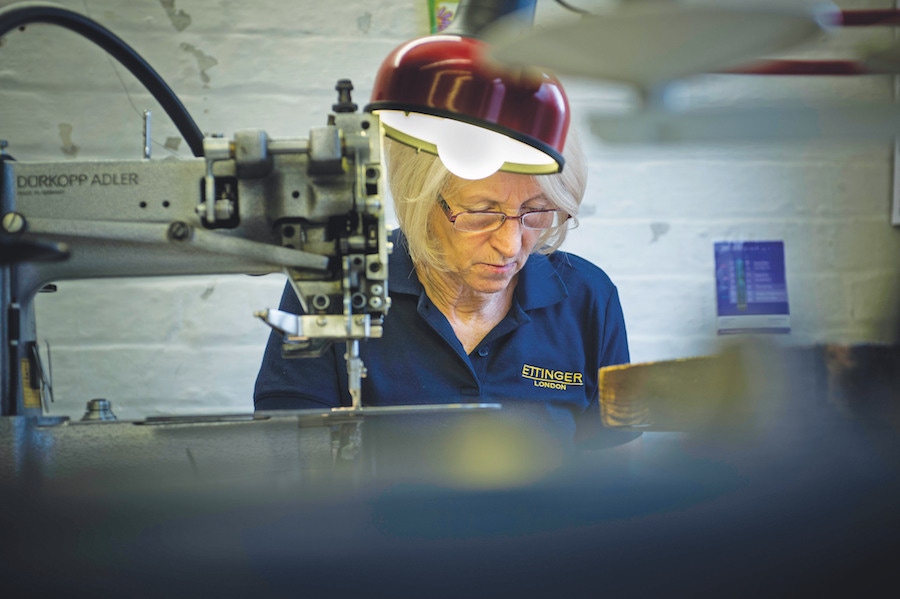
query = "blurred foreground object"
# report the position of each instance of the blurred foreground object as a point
(654, 47)
(651, 44)
(264, 504)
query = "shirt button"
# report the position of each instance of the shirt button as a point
(483, 351)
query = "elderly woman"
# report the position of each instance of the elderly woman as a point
(484, 307)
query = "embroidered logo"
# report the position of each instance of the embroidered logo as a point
(551, 379)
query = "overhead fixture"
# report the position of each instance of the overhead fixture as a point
(650, 44)
(653, 46)
(440, 94)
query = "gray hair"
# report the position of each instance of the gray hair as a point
(417, 178)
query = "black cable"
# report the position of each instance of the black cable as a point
(37, 12)
(568, 6)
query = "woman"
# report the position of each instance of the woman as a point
(484, 308)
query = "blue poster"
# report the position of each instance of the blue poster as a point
(751, 288)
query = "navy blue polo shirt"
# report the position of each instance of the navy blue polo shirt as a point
(564, 324)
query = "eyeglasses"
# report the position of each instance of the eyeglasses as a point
(475, 221)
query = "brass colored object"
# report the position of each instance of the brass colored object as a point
(675, 395)
(754, 387)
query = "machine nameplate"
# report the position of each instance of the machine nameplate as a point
(26, 184)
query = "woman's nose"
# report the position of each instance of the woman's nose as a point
(508, 238)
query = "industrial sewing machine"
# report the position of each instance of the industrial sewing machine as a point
(311, 207)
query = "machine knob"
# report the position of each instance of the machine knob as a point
(98, 409)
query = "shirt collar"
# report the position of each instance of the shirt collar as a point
(539, 284)
(401, 273)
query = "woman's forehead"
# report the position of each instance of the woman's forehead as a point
(498, 187)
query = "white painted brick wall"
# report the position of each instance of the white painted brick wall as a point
(190, 345)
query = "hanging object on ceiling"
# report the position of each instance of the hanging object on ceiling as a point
(440, 95)
(650, 44)
(654, 45)
(436, 94)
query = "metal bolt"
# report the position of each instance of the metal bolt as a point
(321, 301)
(344, 104)
(179, 231)
(13, 222)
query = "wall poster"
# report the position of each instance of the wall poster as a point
(751, 288)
